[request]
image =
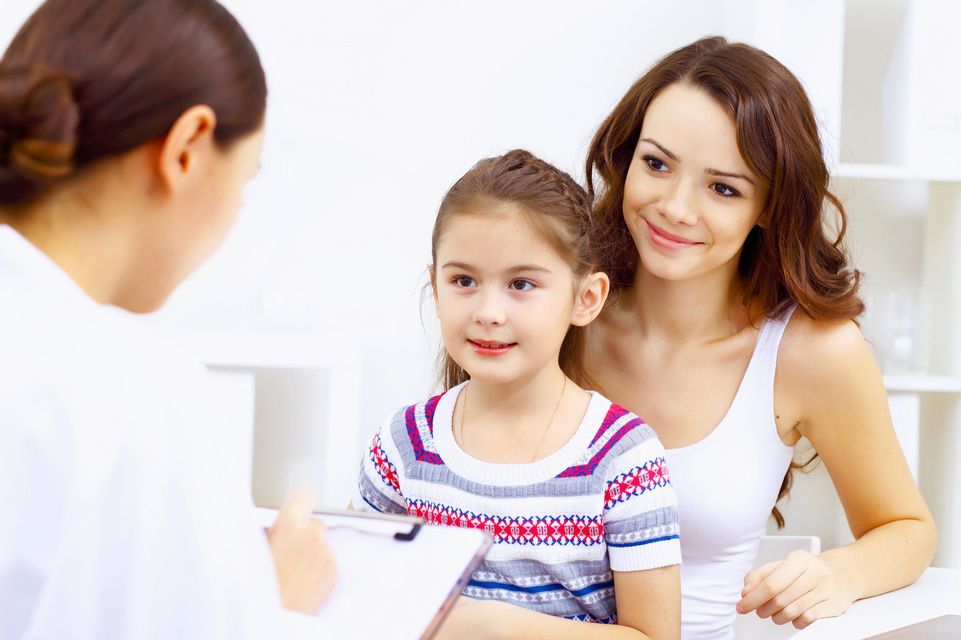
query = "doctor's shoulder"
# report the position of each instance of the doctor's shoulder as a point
(120, 373)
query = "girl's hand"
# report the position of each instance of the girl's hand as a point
(303, 560)
(799, 589)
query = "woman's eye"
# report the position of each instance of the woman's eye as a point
(464, 281)
(654, 163)
(722, 189)
(522, 285)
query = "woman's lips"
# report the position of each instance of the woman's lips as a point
(668, 240)
(491, 347)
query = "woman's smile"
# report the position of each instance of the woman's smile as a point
(662, 238)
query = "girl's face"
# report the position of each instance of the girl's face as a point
(689, 198)
(504, 297)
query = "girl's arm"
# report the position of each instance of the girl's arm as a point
(649, 601)
(648, 606)
(833, 384)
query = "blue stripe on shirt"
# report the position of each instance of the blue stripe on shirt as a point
(370, 504)
(643, 542)
(543, 587)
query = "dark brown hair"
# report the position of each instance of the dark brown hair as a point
(793, 258)
(552, 202)
(84, 80)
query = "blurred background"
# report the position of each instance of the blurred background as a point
(313, 315)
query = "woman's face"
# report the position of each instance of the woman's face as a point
(216, 205)
(201, 214)
(690, 199)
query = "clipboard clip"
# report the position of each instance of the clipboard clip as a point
(403, 528)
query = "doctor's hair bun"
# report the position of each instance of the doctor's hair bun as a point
(39, 120)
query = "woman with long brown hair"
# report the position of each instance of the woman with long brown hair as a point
(127, 132)
(731, 330)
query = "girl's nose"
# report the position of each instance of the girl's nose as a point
(490, 309)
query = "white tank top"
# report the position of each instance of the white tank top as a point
(726, 485)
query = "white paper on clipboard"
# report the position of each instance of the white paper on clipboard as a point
(390, 587)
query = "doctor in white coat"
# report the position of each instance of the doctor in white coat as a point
(128, 129)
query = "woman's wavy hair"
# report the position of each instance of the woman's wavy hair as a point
(556, 207)
(793, 255)
(84, 80)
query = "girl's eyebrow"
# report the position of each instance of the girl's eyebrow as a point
(710, 172)
(519, 268)
(528, 267)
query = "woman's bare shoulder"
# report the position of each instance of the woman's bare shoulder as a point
(819, 356)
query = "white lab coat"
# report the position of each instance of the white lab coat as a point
(116, 518)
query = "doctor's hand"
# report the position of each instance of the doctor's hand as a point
(799, 589)
(303, 560)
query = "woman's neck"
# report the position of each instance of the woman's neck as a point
(75, 235)
(702, 309)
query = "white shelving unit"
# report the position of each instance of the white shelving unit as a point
(914, 146)
(876, 171)
(921, 383)
(890, 114)
(302, 394)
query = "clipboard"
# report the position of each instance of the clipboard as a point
(398, 578)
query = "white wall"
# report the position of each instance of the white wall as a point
(376, 107)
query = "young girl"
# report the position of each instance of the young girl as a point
(572, 488)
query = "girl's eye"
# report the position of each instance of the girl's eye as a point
(464, 281)
(522, 285)
(655, 164)
(724, 190)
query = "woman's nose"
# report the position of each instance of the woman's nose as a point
(677, 202)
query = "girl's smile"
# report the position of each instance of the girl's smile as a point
(490, 347)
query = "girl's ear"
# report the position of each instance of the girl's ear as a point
(590, 298)
(433, 282)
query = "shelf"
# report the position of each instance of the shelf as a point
(324, 350)
(915, 382)
(250, 350)
(893, 172)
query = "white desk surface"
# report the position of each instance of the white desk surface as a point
(936, 593)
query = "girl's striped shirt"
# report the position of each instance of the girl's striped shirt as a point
(561, 525)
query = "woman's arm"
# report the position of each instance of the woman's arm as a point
(833, 383)
(648, 606)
